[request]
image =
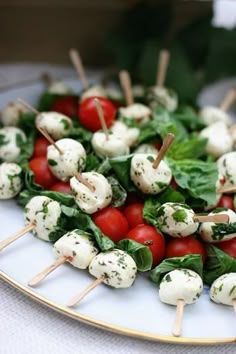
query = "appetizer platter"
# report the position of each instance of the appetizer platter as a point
(117, 206)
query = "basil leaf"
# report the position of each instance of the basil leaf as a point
(92, 162)
(192, 148)
(189, 118)
(27, 122)
(59, 230)
(119, 194)
(26, 148)
(46, 101)
(121, 167)
(150, 208)
(140, 253)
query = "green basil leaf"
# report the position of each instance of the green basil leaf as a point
(121, 167)
(119, 194)
(191, 148)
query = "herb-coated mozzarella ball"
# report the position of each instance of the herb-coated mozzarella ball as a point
(176, 219)
(122, 131)
(11, 113)
(11, 140)
(45, 213)
(227, 169)
(10, 180)
(117, 266)
(223, 289)
(56, 124)
(93, 91)
(137, 111)
(219, 140)
(58, 88)
(146, 178)
(211, 114)
(212, 232)
(145, 149)
(72, 159)
(91, 201)
(79, 246)
(111, 147)
(161, 96)
(180, 284)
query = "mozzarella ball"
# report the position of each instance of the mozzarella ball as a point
(117, 266)
(176, 219)
(223, 289)
(219, 140)
(56, 124)
(58, 88)
(93, 91)
(123, 132)
(111, 147)
(45, 213)
(209, 230)
(145, 149)
(137, 111)
(114, 93)
(11, 139)
(11, 113)
(180, 284)
(91, 201)
(211, 114)
(146, 178)
(227, 169)
(79, 246)
(161, 96)
(10, 180)
(72, 159)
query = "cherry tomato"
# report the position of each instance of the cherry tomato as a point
(40, 147)
(88, 115)
(132, 198)
(134, 214)
(66, 105)
(226, 201)
(157, 145)
(228, 247)
(42, 174)
(63, 187)
(149, 236)
(173, 183)
(179, 247)
(112, 223)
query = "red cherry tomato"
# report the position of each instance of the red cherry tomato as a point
(66, 105)
(134, 214)
(132, 198)
(42, 174)
(179, 247)
(149, 236)
(173, 184)
(157, 145)
(88, 115)
(228, 247)
(63, 187)
(112, 223)
(40, 147)
(226, 201)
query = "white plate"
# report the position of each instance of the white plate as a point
(135, 311)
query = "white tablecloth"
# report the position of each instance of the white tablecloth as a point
(27, 327)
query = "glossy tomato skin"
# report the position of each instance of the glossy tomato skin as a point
(226, 201)
(67, 105)
(112, 223)
(63, 187)
(228, 247)
(42, 174)
(149, 236)
(134, 214)
(40, 147)
(179, 247)
(88, 115)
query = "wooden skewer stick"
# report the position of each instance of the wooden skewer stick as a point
(75, 300)
(163, 63)
(165, 146)
(177, 329)
(49, 138)
(42, 275)
(82, 180)
(28, 106)
(14, 237)
(101, 117)
(234, 305)
(125, 82)
(217, 218)
(231, 189)
(228, 100)
(77, 62)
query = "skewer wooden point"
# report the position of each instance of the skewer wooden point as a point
(228, 100)
(216, 218)
(82, 180)
(78, 65)
(163, 62)
(42, 275)
(75, 300)
(234, 305)
(165, 147)
(231, 189)
(49, 139)
(14, 237)
(101, 117)
(177, 329)
(125, 83)
(28, 106)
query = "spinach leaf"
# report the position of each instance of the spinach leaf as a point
(121, 167)
(193, 262)
(192, 148)
(140, 253)
(119, 194)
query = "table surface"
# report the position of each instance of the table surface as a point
(29, 327)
